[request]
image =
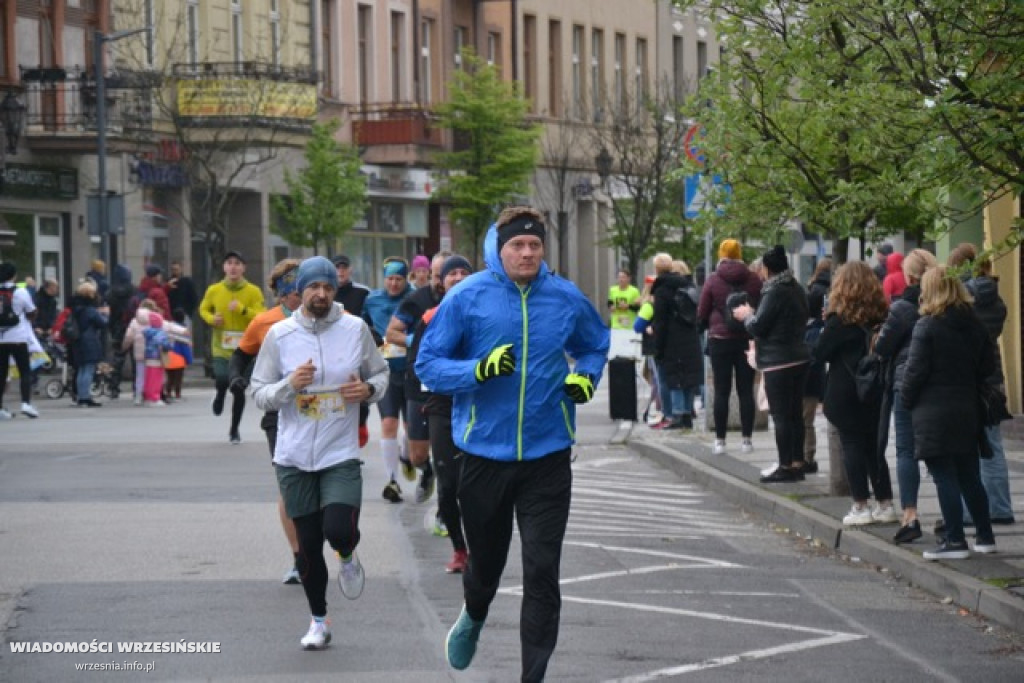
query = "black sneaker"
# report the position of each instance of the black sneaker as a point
(909, 532)
(218, 403)
(425, 489)
(948, 551)
(939, 529)
(810, 467)
(392, 492)
(782, 475)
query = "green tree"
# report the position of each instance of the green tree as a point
(495, 148)
(326, 198)
(801, 127)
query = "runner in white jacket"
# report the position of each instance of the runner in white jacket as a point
(315, 368)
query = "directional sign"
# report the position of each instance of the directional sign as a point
(699, 190)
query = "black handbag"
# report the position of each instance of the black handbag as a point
(868, 377)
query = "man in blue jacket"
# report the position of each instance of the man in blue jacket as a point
(498, 346)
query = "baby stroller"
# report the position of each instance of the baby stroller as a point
(104, 380)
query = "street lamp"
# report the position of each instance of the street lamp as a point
(12, 118)
(99, 40)
(603, 162)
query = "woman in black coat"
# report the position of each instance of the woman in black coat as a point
(778, 329)
(87, 351)
(893, 346)
(940, 387)
(814, 386)
(677, 351)
(855, 306)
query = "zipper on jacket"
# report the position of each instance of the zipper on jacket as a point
(320, 367)
(568, 421)
(522, 370)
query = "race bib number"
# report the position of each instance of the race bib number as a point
(230, 339)
(389, 350)
(318, 402)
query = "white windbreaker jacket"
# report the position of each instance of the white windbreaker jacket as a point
(316, 429)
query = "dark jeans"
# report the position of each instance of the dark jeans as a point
(339, 525)
(536, 494)
(729, 357)
(785, 390)
(864, 463)
(956, 476)
(21, 359)
(446, 466)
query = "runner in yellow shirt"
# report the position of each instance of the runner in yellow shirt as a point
(624, 301)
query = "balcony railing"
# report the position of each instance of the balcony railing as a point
(62, 101)
(394, 124)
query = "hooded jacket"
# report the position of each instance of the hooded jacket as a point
(135, 339)
(526, 415)
(894, 282)
(316, 430)
(991, 310)
(729, 276)
(779, 323)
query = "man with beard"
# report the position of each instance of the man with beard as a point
(314, 368)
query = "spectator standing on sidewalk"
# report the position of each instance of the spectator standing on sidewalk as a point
(181, 292)
(677, 352)
(45, 300)
(951, 353)
(228, 307)
(728, 339)
(283, 282)
(991, 310)
(314, 368)
(893, 346)
(498, 345)
(778, 327)
(882, 253)
(88, 350)
(894, 282)
(15, 336)
(814, 386)
(856, 306)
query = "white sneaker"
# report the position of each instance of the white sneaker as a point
(719, 447)
(747, 446)
(137, 401)
(858, 516)
(984, 548)
(351, 577)
(29, 410)
(768, 471)
(4, 415)
(885, 514)
(318, 635)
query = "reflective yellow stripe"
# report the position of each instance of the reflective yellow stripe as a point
(568, 422)
(469, 425)
(522, 371)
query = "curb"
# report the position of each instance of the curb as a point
(966, 591)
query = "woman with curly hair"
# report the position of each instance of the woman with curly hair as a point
(940, 388)
(856, 305)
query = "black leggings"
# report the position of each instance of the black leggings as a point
(339, 525)
(446, 465)
(729, 356)
(21, 360)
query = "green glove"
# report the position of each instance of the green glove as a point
(579, 387)
(498, 363)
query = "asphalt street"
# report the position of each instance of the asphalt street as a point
(125, 525)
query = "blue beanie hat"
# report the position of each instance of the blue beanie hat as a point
(455, 261)
(317, 269)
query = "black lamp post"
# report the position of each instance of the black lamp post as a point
(12, 118)
(603, 162)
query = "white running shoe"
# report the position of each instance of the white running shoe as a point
(885, 514)
(29, 410)
(351, 577)
(747, 446)
(858, 516)
(767, 471)
(984, 548)
(4, 415)
(719, 448)
(318, 635)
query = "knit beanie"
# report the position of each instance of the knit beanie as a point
(730, 249)
(524, 225)
(420, 261)
(455, 261)
(775, 259)
(316, 269)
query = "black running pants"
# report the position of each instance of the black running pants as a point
(446, 467)
(339, 525)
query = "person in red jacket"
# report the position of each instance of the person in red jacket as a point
(894, 282)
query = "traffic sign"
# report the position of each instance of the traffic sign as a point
(690, 146)
(699, 190)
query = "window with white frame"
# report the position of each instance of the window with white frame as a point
(397, 55)
(494, 50)
(364, 36)
(426, 43)
(597, 73)
(237, 53)
(192, 31)
(460, 42)
(641, 73)
(620, 77)
(577, 72)
(275, 33)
